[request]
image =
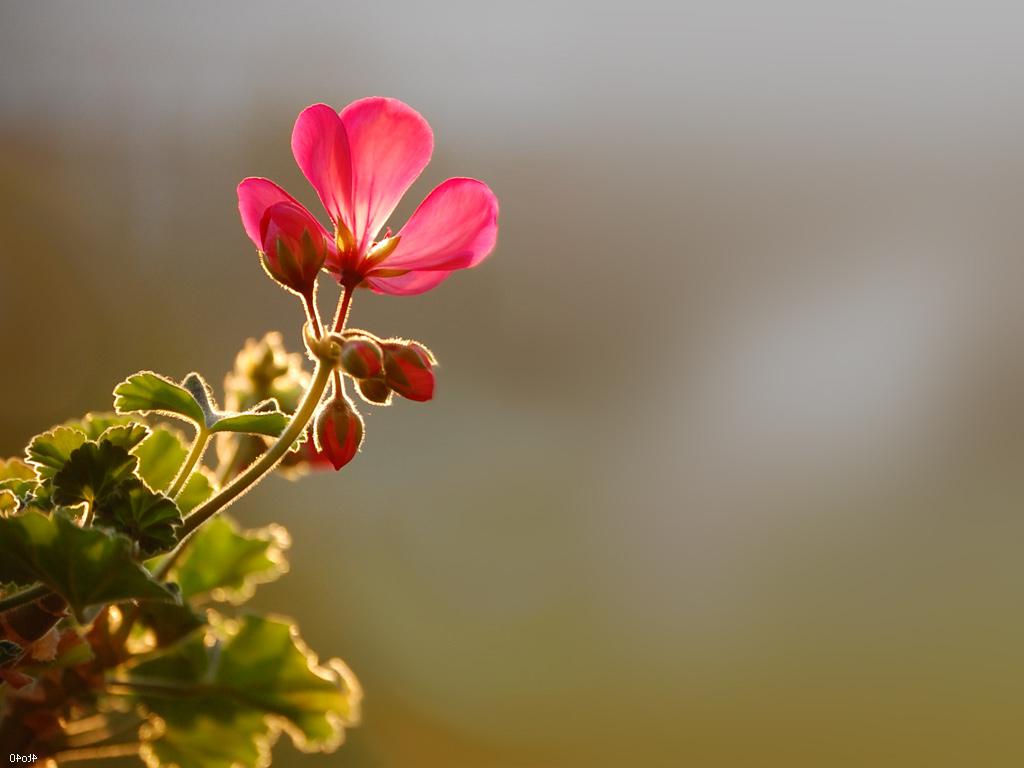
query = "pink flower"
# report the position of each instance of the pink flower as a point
(360, 162)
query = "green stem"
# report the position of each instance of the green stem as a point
(255, 472)
(24, 597)
(259, 468)
(194, 454)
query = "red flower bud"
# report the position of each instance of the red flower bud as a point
(294, 248)
(375, 391)
(339, 431)
(362, 358)
(408, 370)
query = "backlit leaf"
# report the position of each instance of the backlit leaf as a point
(160, 457)
(227, 563)
(49, 451)
(126, 436)
(251, 680)
(145, 516)
(91, 473)
(265, 419)
(197, 489)
(85, 566)
(151, 393)
(96, 423)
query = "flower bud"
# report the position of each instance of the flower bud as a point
(294, 248)
(375, 391)
(408, 370)
(339, 431)
(362, 358)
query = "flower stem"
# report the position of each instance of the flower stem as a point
(312, 315)
(194, 454)
(339, 324)
(255, 472)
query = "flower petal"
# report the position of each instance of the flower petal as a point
(408, 284)
(255, 196)
(321, 150)
(390, 145)
(454, 228)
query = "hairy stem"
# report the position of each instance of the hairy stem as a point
(194, 454)
(259, 468)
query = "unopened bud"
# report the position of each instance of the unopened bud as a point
(362, 358)
(294, 248)
(375, 391)
(339, 431)
(408, 370)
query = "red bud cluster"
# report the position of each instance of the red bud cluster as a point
(362, 358)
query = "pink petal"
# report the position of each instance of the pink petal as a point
(454, 228)
(255, 196)
(409, 284)
(321, 149)
(390, 145)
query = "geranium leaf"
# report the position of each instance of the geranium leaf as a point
(8, 502)
(151, 393)
(15, 469)
(125, 435)
(227, 563)
(252, 678)
(265, 419)
(85, 566)
(95, 423)
(197, 489)
(91, 473)
(160, 457)
(145, 516)
(170, 622)
(17, 477)
(49, 451)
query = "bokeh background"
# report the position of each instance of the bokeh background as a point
(725, 467)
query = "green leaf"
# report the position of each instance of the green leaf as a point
(49, 452)
(197, 489)
(147, 517)
(8, 502)
(193, 400)
(227, 563)
(91, 473)
(160, 457)
(254, 680)
(16, 469)
(170, 622)
(96, 423)
(265, 419)
(85, 566)
(125, 435)
(17, 477)
(217, 734)
(149, 392)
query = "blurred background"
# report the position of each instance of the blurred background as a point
(725, 463)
